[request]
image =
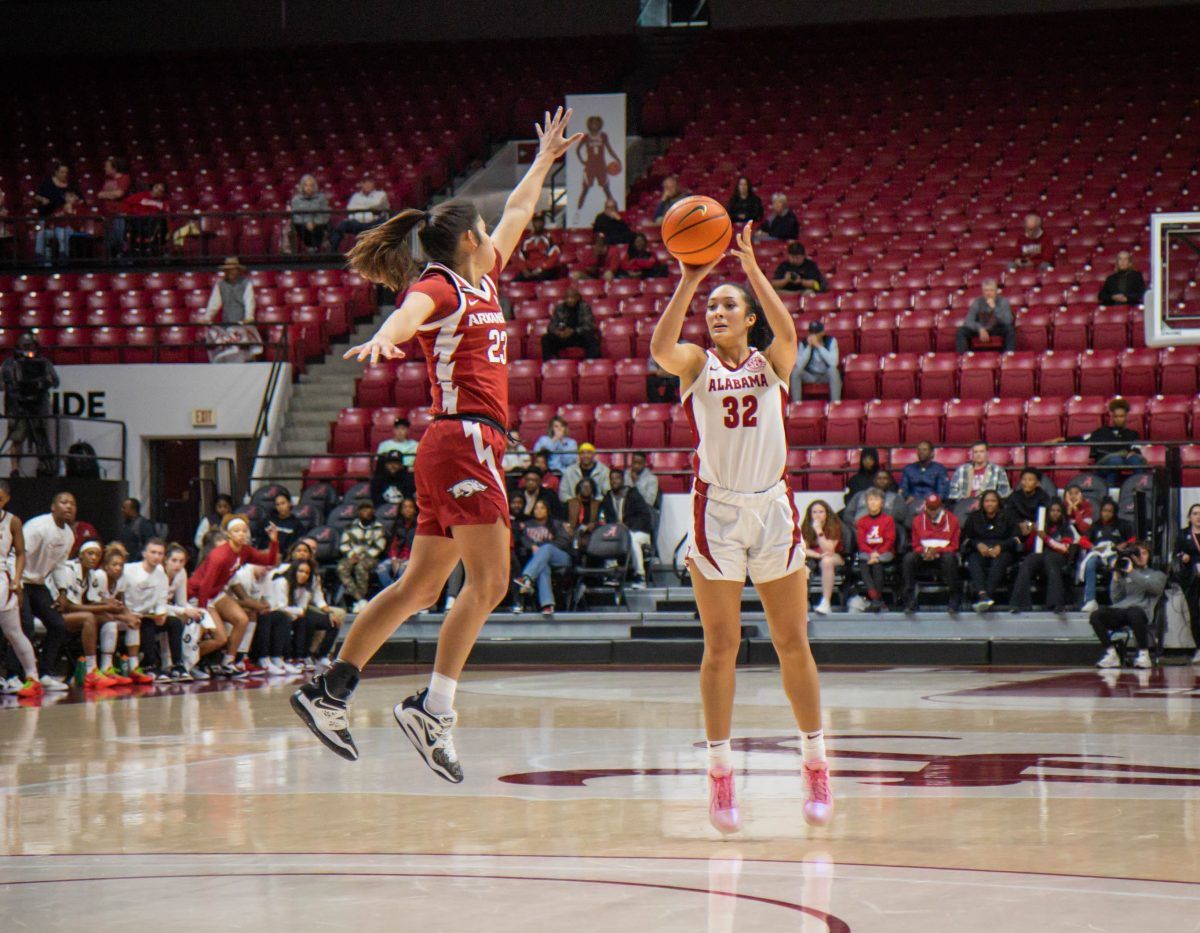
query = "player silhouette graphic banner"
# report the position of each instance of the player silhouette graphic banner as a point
(596, 165)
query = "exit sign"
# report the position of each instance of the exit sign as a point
(204, 417)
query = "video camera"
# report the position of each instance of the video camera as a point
(28, 392)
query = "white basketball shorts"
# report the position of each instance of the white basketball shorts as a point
(735, 535)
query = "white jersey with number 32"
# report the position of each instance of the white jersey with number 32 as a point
(738, 415)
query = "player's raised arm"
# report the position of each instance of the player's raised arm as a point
(400, 327)
(781, 354)
(519, 208)
(684, 360)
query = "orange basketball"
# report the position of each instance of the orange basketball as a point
(696, 230)
(614, 168)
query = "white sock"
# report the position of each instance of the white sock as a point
(105, 660)
(720, 754)
(278, 662)
(440, 699)
(230, 658)
(812, 745)
(91, 663)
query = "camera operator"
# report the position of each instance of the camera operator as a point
(28, 378)
(1134, 590)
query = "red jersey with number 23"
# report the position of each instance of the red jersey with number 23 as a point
(465, 343)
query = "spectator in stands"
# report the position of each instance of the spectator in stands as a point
(56, 197)
(6, 234)
(637, 260)
(1058, 541)
(661, 386)
(363, 543)
(642, 478)
(135, 529)
(798, 273)
(583, 512)
(876, 535)
(571, 325)
(935, 539)
(116, 186)
(535, 492)
(1187, 557)
(222, 507)
(547, 541)
(924, 478)
(601, 263)
(1134, 591)
(1113, 445)
(395, 559)
(825, 547)
(624, 505)
(610, 225)
(1078, 510)
(400, 442)
(1125, 286)
(310, 214)
(978, 475)
(586, 465)
(744, 205)
(781, 223)
(232, 295)
(1034, 248)
(864, 479)
(290, 526)
(146, 213)
(550, 479)
(1024, 503)
(392, 482)
(893, 503)
(559, 443)
(1100, 546)
(817, 363)
(991, 542)
(51, 194)
(988, 314)
(516, 458)
(671, 193)
(539, 259)
(368, 207)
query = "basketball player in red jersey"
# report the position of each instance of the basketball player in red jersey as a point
(591, 152)
(452, 307)
(745, 519)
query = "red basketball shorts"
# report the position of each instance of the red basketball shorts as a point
(458, 477)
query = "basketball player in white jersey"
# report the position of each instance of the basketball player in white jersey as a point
(744, 518)
(12, 568)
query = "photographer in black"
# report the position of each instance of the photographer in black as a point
(1134, 590)
(28, 378)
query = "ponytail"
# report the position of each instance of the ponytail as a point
(383, 255)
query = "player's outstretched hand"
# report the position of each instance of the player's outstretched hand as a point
(743, 248)
(696, 274)
(550, 132)
(375, 349)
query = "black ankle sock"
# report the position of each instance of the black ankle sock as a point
(341, 679)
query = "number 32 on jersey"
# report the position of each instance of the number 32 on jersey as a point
(740, 412)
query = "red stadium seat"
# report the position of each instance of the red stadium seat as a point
(681, 434)
(612, 426)
(595, 381)
(1138, 372)
(827, 470)
(105, 342)
(939, 374)
(1190, 456)
(1057, 372)
(558, 381)
(1018, 375)
(382, 420)
(898, 376)
(964, 421)
(618, 338)
(877, 333)
(883, 423)
(580, 419)
(978, 374)
(844, 422)
(524, 377)
(1098, 372)
(324, 469)
(1033, 330)
(649, 425)
(673, 468)
(179, 345)
(1004, 421)
(923, 421)
(805, 423)
(860, 376)
(1169, 417)
(419, 420)
(1179, 367)
(349, 433)
(915, 331)
(630, 383)
(1083, 415)
(1074, 459)
(797, 460)
(1110, 328)
(412, 384)
(1071, 329)
(375, 386)
(534, 422)
(1043, 419)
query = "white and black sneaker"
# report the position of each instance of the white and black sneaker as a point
(327, 717)
(180, 674)
(430, 736)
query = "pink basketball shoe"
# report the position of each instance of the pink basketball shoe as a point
(723, 810)
(818, 798)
